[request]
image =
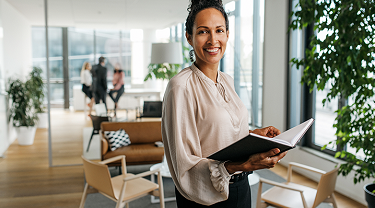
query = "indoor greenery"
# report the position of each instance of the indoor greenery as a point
(162, 71)
(343, 61)
(36, 85)
(166, 70)
(21, 110)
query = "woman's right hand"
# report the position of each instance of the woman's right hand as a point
(256, 161)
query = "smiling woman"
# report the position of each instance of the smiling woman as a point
(202, 114)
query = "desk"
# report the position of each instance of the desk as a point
(134, 98)
(165, 173)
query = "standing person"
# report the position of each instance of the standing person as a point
(99, 76)
(118, 85)
(86, 80)
(202, 114)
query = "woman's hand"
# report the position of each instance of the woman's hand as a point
(256, 161)
(269, 131)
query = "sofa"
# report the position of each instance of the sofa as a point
(142, 149)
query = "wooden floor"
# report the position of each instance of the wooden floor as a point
(26, 180)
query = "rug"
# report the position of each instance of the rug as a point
(97, 200)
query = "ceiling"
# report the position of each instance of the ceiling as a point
(111, 14)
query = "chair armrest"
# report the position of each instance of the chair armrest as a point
(306, 167)
(104, 145)
(112, 159)
(142, 175)
(281, 185)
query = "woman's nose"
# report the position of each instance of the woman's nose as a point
(213, 38)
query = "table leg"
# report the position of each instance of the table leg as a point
(156, 200)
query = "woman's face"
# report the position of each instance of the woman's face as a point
(88, 66)
(209, 38)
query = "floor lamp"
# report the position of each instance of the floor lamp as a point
(170, 53)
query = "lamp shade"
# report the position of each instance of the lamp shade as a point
(166, 53)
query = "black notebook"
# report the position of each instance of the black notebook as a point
(254, 143)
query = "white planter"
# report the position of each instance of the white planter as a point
(25, 135)
(43, 120)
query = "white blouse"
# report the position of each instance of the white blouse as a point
(86, 78)
(200, 118)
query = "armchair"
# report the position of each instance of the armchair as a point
(290, 194)
(123, 188)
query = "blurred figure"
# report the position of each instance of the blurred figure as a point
(118, 85)
(86, 80)
(99, 84)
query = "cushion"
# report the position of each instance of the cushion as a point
(117, 139)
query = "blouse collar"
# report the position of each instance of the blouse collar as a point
(200, 74)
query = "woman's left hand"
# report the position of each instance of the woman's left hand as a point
(269, 131)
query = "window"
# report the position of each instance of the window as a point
(83, 45)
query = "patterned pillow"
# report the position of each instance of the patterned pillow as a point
(117, 139)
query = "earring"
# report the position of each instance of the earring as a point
(191, 54)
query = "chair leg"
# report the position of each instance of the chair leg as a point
(84, 195)
(333, 198)
(121, 196)
(88, 146)
(161, 190)
(259, 196)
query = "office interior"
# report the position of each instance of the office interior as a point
(257, 57)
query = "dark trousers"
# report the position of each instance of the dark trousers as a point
(86, 89)
(100, 95)
(239, 197)
(119, 93)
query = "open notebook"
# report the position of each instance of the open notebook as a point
(254, 143)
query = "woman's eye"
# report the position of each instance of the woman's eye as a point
(220, 30)
(202, 32)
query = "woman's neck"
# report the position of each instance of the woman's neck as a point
(210, 70)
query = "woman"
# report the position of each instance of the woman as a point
(203, 114)
(86, 80)
(118, 85)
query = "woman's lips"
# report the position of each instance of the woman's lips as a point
(212, 51)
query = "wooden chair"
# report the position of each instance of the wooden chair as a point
(290, 194)
(123, 188)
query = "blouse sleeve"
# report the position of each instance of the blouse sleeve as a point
(198, 179)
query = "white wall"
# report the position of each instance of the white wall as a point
(275, 64)
(17, 59)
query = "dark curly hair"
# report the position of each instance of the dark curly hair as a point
(198, 5)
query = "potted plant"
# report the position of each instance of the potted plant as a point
(165, 71)
(36, 85)
(162, 71)
(345, 58)
(21, 112)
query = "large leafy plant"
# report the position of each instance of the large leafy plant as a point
(21, 111)
(166, 70)
(162, 71)
(36, 85)
(344, 62)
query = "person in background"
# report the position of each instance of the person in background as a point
(86, 80)
(118, 85)
(99, 86)
(202, 114)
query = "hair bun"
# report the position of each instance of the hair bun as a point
(200, 3)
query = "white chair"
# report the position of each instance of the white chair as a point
(290, 194)
(123, 188)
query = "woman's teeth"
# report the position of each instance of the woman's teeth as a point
(211, 50)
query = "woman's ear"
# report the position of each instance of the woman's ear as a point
(188, 38)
